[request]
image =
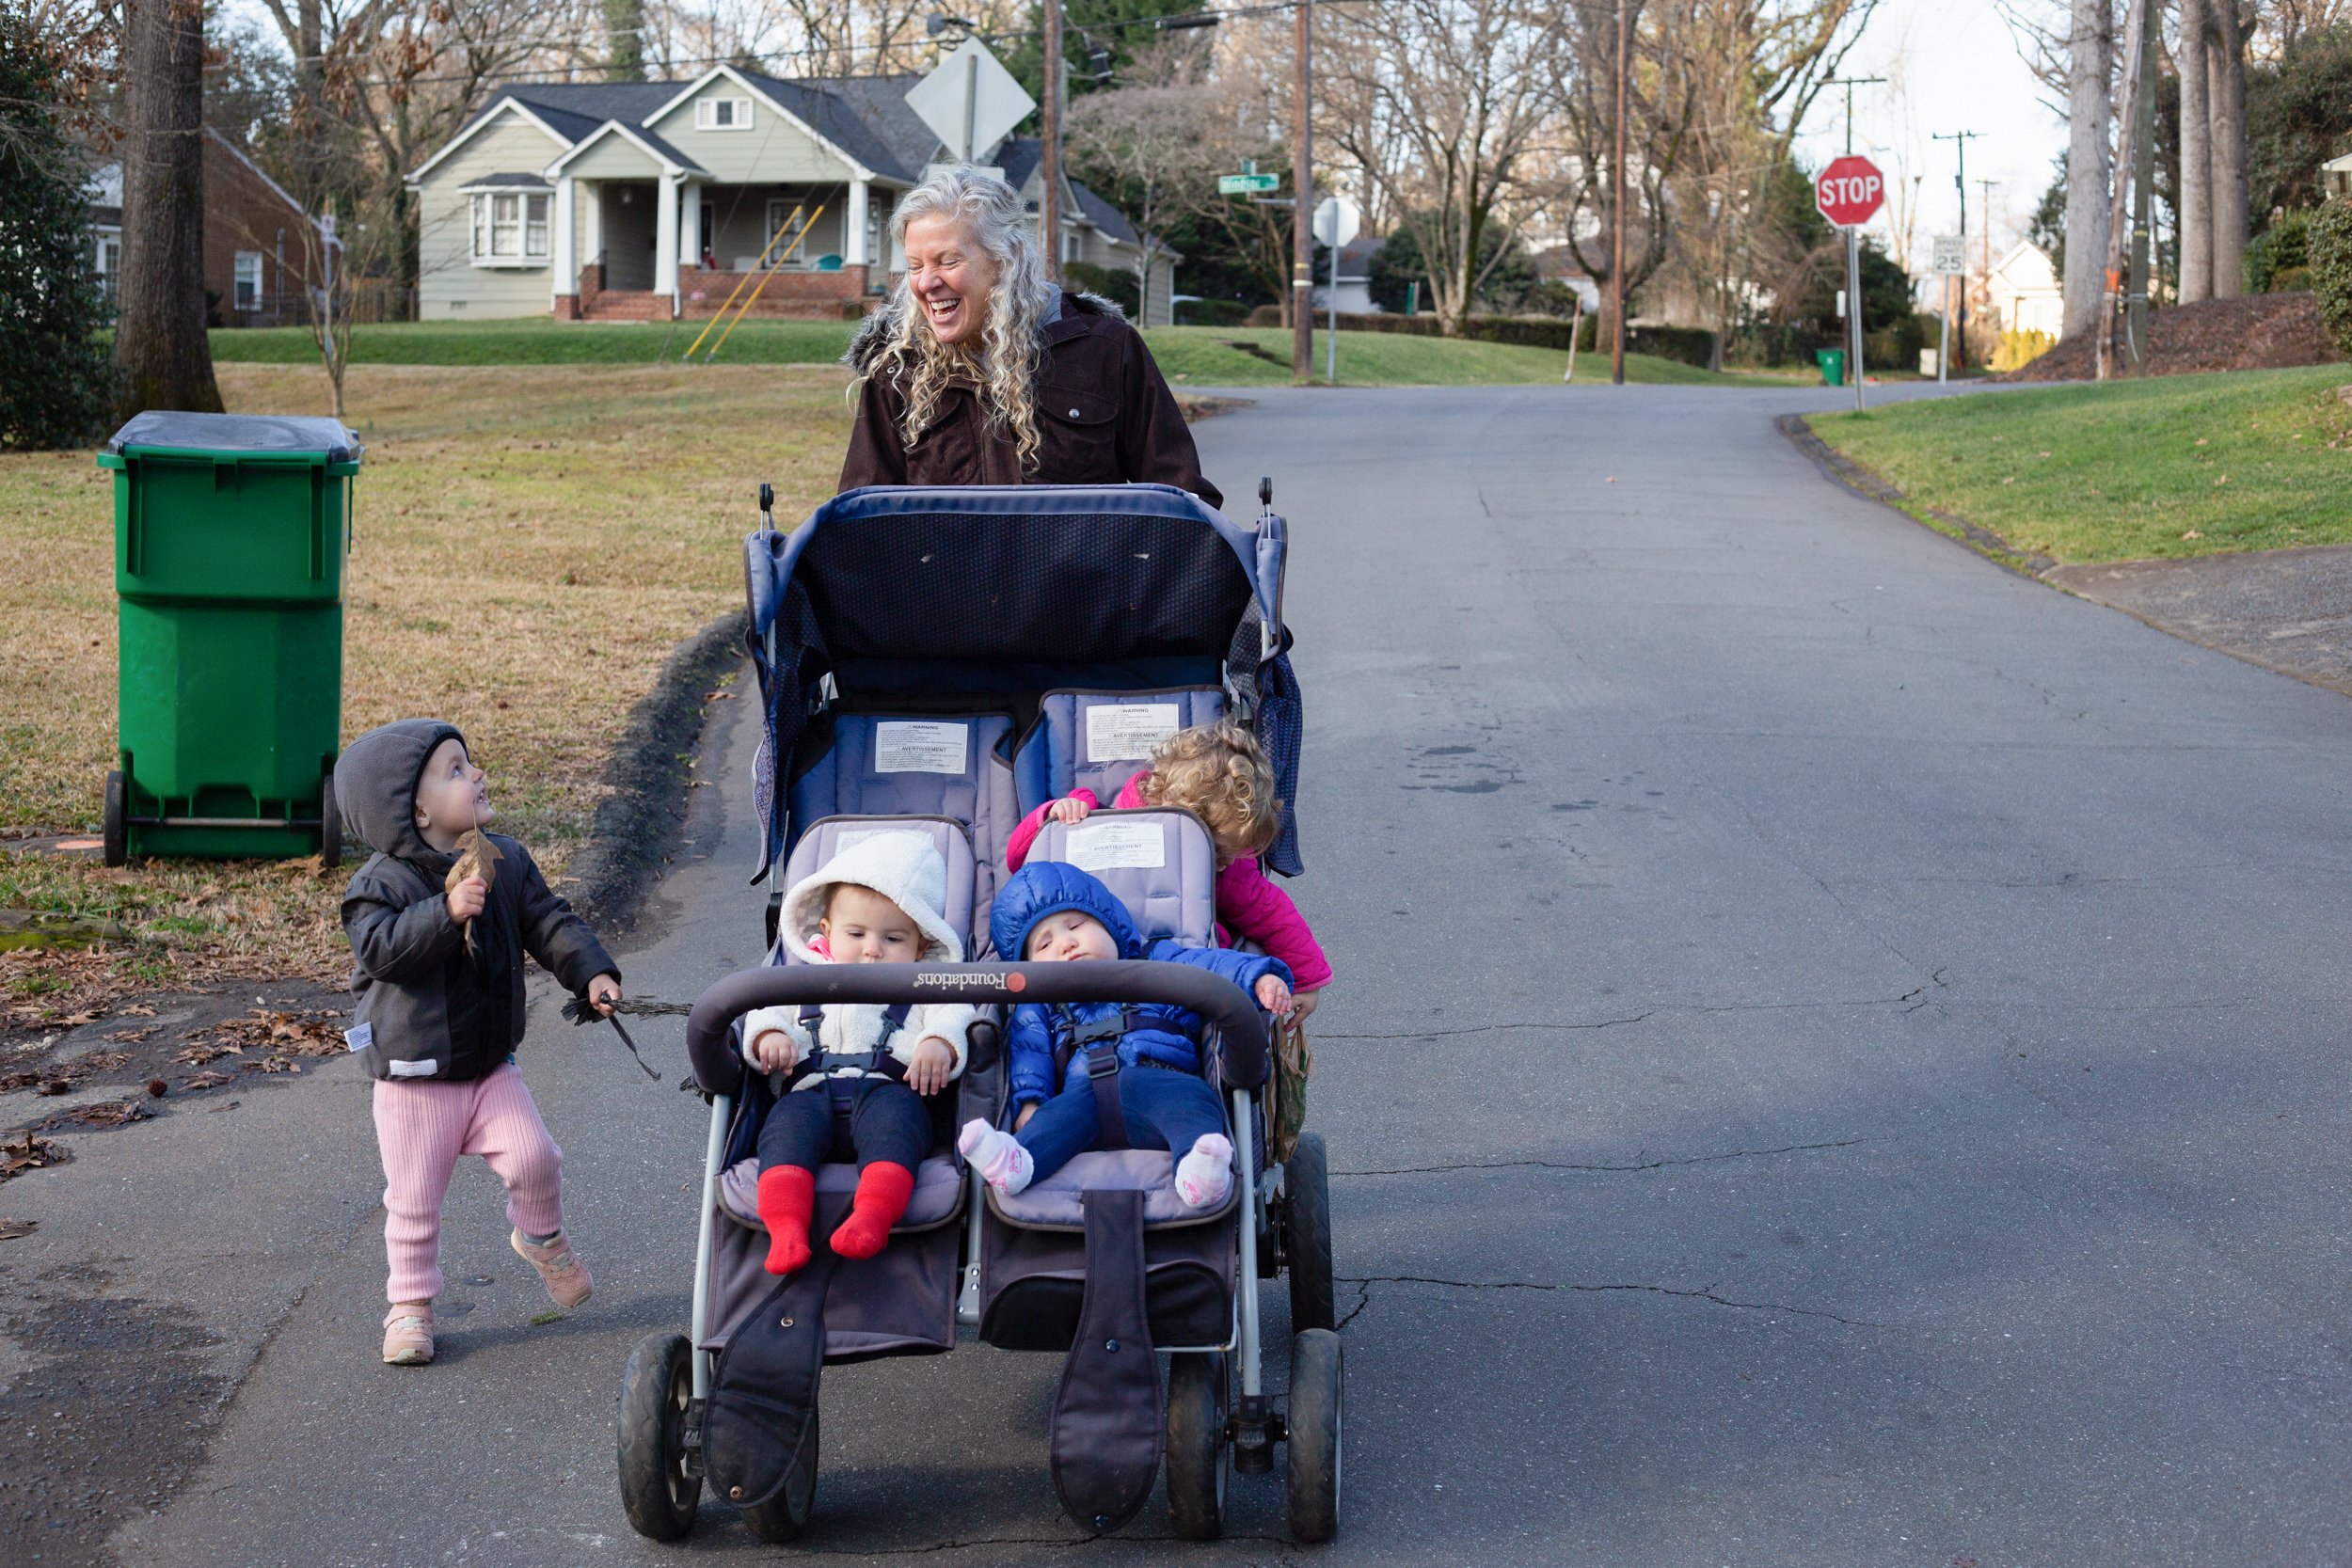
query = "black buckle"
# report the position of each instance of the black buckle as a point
(1102, 1061)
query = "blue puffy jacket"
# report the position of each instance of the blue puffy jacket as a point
(1159, 1031)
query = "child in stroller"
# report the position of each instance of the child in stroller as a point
(853, 1071)
(1053, 911)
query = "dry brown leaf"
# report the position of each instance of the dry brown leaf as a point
(207, 1079)
(126, 1037)
(272, 1064)
(196, 1056)
(137, 1009)
(32, 1154)
(109, 1113)
(11, 1230)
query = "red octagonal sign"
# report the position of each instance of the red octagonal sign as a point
(1849, 191)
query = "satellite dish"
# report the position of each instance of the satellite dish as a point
(971, 101)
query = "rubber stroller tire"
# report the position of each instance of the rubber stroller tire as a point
(656, 1490)
(1199, 1457)
(1317, 1389)
(1307, 1235)
(782, 1517)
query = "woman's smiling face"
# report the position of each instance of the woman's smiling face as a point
(950, 278)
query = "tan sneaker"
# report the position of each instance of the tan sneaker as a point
(408, 1333)
(565, 1275)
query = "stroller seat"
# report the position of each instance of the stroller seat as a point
(1101, 740)
(938, 1191)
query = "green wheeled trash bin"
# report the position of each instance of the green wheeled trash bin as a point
(231, 533)
(1832, 363)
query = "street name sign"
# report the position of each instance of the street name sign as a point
(1951, 255)
(1849, 191)
(1246, 184)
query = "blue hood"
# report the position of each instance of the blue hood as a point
(1049, 887)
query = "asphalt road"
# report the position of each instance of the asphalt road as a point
(1836, 1062)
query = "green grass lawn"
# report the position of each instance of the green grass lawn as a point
(1204, 356)
(2171, 467)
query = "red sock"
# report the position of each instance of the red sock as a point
(786, 1194)
(882, 1194)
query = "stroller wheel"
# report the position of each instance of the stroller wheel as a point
(782, 1517)
(1316, 1387)
(1307, 1235)
(657, 1490)
(1199, 1457)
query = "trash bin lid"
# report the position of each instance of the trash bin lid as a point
(260, 434)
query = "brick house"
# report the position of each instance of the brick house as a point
(260, 245)
(650, 201)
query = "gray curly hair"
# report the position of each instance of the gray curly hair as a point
(1010, 350)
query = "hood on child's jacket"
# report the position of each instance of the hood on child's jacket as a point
(1048, 887)
(375, 784)
(904, 867)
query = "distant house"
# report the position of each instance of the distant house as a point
(647, 201)
(260, 245)
(1355, 277)
(2023, 292)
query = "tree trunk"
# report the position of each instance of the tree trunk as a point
(2193, 56)
(2225, 94)
(160, 348)
(2088, 158)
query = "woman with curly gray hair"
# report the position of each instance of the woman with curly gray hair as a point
(980, 372)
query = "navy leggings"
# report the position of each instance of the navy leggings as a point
(887, 1124)
(1164, 1110)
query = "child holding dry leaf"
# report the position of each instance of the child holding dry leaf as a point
(439, 919)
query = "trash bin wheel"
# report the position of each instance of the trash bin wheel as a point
(782, 1517)
(117, 824)
(656, 1491)
(1307, 1235)
(330, 820)
(1317, 1387)
(1199, 1456)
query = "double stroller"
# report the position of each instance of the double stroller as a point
(940, 662)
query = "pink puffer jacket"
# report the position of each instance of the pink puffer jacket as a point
(1249, 906)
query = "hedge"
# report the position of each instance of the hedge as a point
(2328, 246)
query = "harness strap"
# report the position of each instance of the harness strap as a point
(850, 1065)
(1103, 1077)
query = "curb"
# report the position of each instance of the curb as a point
(642, 807)
(1869, 486)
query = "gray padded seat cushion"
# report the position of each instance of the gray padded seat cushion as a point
(938, 1190)
(928, 765)
(1054, 1201)
(1160, 863)
(1101, 740)
(822, 840)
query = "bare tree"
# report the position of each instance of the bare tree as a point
(2090, 158)
(2192, 58)
(1464, 89)
(161, 352)
(1147, 140)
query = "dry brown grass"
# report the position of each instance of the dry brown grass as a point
(528, 546)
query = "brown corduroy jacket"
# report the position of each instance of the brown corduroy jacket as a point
(1104, 416)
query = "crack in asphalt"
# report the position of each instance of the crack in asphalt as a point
(1363, 1299)
(1705, 1292)
(1639, 1165)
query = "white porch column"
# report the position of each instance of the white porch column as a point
(665, 240)
(592, 230)
(853, 251)
(689, 226)
(566, 280)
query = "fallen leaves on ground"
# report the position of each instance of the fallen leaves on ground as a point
(109, 1113)
(129, 1036)
(273, 1063)
(11, 1230)
(64, 1075)
(207, 1079)
(32, 1154)
(196, 1056)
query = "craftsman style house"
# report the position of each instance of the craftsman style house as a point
(648, 200)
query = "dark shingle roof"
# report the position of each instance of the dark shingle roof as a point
(1101, 214)
(867, 117)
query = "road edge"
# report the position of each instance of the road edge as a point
(641, 814)
(1869, 486)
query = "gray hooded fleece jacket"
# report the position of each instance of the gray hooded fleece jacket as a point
(425, 1008)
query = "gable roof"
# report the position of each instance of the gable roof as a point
(661, 152)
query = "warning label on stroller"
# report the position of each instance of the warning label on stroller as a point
(1119, 732)
(912, 746)
(1116, 846)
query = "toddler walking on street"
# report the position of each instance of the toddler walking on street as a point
(437, 982)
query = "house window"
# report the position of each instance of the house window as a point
(509, 227)
(109, 264)
(722, 114)
(248, 280)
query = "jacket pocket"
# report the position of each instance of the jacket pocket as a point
(1078, 430)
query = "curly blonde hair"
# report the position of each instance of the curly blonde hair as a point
(1220, 774)
(1011, 349)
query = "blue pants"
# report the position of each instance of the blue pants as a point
(1164, 1110)
(880, 1122)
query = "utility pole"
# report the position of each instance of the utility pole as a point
(1849, 82)
(1049, 121)
(1303, 196)
(2135, 27)
(1960, 140)
(2143, 180)
(1617, 243)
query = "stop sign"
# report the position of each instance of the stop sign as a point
(1849, 191)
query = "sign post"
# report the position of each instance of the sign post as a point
(1337, 222)
(1849, 193)
(1951, 260)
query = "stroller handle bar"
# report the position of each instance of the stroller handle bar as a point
(1240, 1026)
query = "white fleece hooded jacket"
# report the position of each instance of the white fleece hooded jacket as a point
(906, 870)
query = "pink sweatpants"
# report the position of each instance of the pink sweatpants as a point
(422, 1127)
